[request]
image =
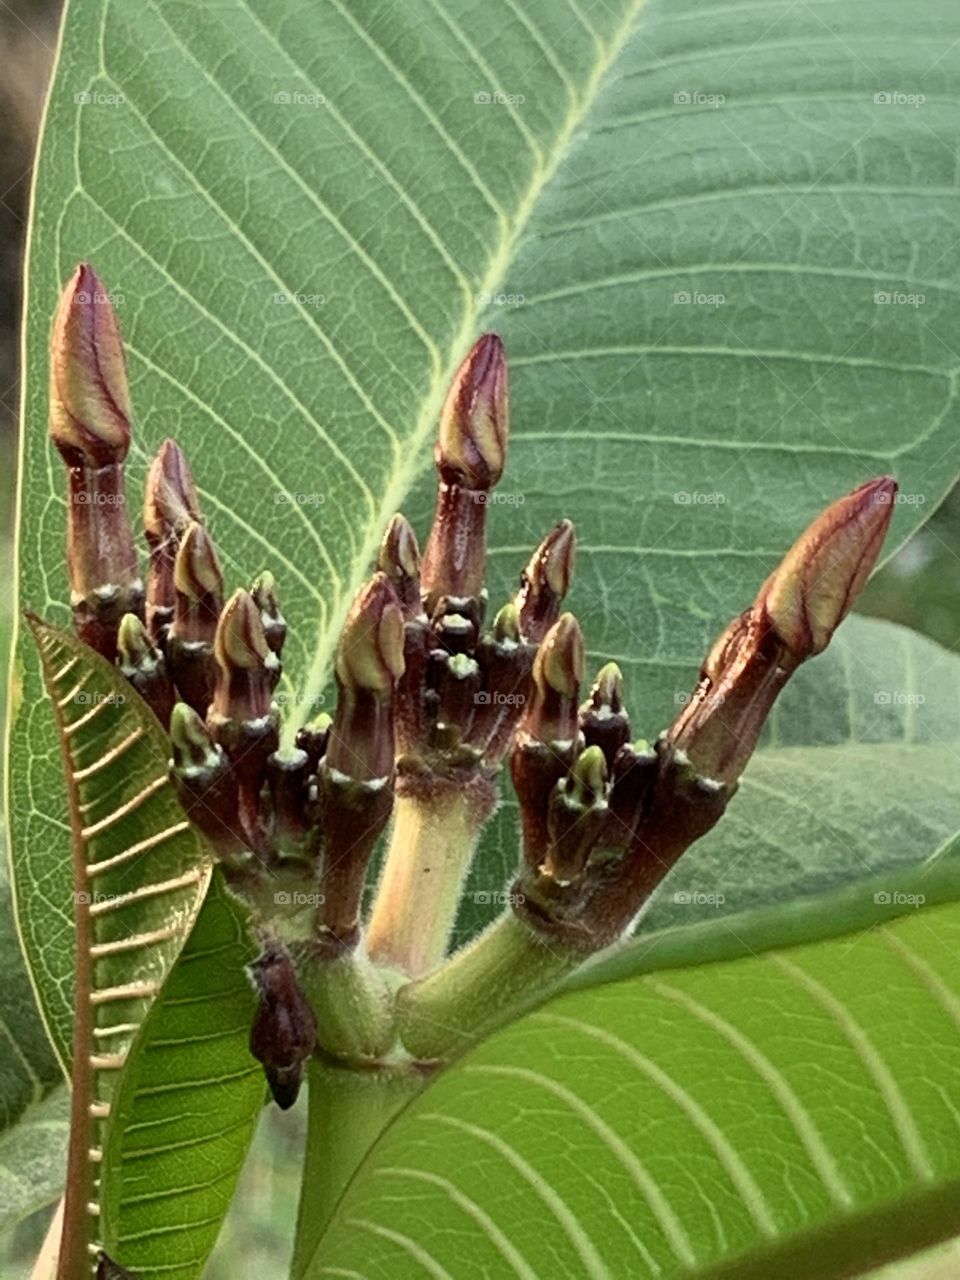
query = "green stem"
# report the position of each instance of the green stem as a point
(502, 973)
(431, 848)
(348, 1111)
(353, 1004)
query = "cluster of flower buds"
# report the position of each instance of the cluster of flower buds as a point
(429, 695)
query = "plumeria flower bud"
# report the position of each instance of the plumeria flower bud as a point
(265, 597)
(199, 585)
(284, 1032)
(603, 719)
(89, 397)
(312, 738)
(505, 661)
(368, 665)
(793, 618)
(546, 581)
(245, 662)
(399, 559)
(170, 496)
(204, 781)
(288, 775)
(810, 593)
(547, 740)
(475, 421)
(169, 507)
(199, 599)
(89, 419)
(144, 666)
(577, 816)
(470, 453)
(557, 676)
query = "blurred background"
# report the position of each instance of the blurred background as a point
(920, 587)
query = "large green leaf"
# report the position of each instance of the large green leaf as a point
(791, 1115)
(307, 215)
(187, 1104)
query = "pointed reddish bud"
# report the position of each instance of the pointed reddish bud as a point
(89, 396)
(557, 675)
(546, 581)
(576, 818)
(370, 654)
(603, 719)
(198, 580)
(170, 496)
(204, 781)
(399, 559)
(284, 1032)
(474, 423)
(245, 661)
(793, 617)
(547, 740)
(267, 600)
(810, 593)
(144, 666)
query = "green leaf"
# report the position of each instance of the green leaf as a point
(308, 216)
(187, 1104)
(33, 1157)
(788, 1114)
(140, 872)
(34, 1121)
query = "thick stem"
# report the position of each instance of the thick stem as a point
(352, 1002)
(435, 833)
(348, 1111)
(502, 973)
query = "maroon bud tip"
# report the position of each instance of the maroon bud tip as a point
(370, 654)
(170, 497)
(474, 423)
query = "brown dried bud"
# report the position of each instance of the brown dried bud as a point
(603, 720)
(265, 597)
(284, 1031)
(89, 397)
(370, 654)
(399, 559)
(546, 580)
(810, 593)
(143, 665)
(474, 423)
